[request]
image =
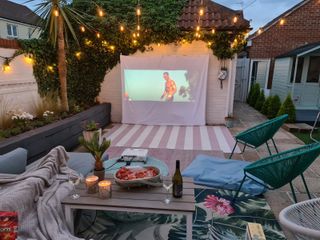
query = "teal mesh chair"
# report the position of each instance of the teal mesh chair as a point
(260, 134)
(280, 169)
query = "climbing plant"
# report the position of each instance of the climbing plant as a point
(99, 46)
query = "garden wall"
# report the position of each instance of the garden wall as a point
(18, 87)
(66, 132)
(219, 101)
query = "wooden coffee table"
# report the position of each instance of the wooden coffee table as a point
(142, 199)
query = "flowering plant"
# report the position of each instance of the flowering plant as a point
(20, 115)
(220, 206)
(47, 114)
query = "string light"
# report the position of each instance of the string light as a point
(138, 34)
(259, 31)
(209, 44)
(235, 19)
(121, 28)
(134, 35)
(28, 59)
(56, 13)
(98, 35)
(138, 27)
(135, 41)
(282, 21)
(159, 44)
(198, 28)
(100, 12)
(138, 11)
(78, 54)
(82, 29)
(50, 68)
(112, 48)
(201, 11)
(213, 31)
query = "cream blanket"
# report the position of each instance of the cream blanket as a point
(36, 195)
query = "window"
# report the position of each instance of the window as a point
(12, 30)
(299, 70)
(314, 69)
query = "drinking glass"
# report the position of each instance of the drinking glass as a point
(75, 179)
(167, 187)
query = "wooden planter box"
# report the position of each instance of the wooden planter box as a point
(66, 132)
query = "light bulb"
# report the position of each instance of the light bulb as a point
(100, 12)
(82, 29)
(213, 31)
(56, 13)
(98, 35)
(235, 19)
(282, 21)
(138, 11)
(78, 54)
(121, 28)
(259, 31)
(201, 12)
(198, 28)
(138, 27)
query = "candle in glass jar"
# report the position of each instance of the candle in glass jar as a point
(91, 184)
(104, 189)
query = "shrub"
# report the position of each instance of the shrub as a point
(274, 106)
(288, 107)
(48, 102)
(254, 95)
(260, 101)
(265, 106)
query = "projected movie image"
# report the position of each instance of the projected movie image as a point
(157, 85)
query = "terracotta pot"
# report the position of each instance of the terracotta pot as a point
(88, 135)
(100, 174)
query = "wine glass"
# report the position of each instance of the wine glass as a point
(75, 179)
(167, 187)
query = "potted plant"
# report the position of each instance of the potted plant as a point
(90, 128)
(229, 121)
(96, 149)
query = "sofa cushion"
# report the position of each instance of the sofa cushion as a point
(14, 162)
(81, 162)
(221, 173)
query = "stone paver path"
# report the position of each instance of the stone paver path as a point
(278, 199)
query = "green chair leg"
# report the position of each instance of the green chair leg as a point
(268, 148)
(293, 193)
(235, 145)
(305, 185)
(244, 148)
(237, 193)
(274, 144)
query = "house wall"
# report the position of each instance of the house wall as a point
(300, 28)
(18, 87)
(219, 101)
(22, 29)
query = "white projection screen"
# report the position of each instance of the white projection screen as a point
(164, 90)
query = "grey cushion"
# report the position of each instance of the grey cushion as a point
(14, 162)
(81, 162)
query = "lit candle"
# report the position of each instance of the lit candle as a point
(91, 184)
(104, 189)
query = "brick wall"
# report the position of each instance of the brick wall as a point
(7, 43)
(301, 27)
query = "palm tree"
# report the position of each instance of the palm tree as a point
(56, 17)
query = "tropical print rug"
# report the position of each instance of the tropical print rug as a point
(214, 219)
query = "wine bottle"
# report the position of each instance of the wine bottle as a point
(177, 183)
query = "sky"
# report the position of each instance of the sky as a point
(259, 12)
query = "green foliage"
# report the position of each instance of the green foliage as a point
(288, 107)
(274, 106)
(254, 94)
(265, 106)
(97, 56)
(91, 126)
(95, 148)
(260, 101)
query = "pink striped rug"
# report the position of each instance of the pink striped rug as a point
(211, 138)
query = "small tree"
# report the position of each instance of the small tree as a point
(260, 101)
(265, 106)
(255, 92)
(274, 106)
(288, 107)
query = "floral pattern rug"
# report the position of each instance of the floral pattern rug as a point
(215, 219)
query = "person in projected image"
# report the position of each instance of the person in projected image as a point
(170, 88)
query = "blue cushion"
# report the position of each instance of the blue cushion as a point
(14, 162)
(221, 173)
(83, 162)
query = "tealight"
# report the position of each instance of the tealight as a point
(91, 184)
(104, 189)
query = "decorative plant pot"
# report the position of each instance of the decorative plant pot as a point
(100, 174)
(229, 122)
(88, 135)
